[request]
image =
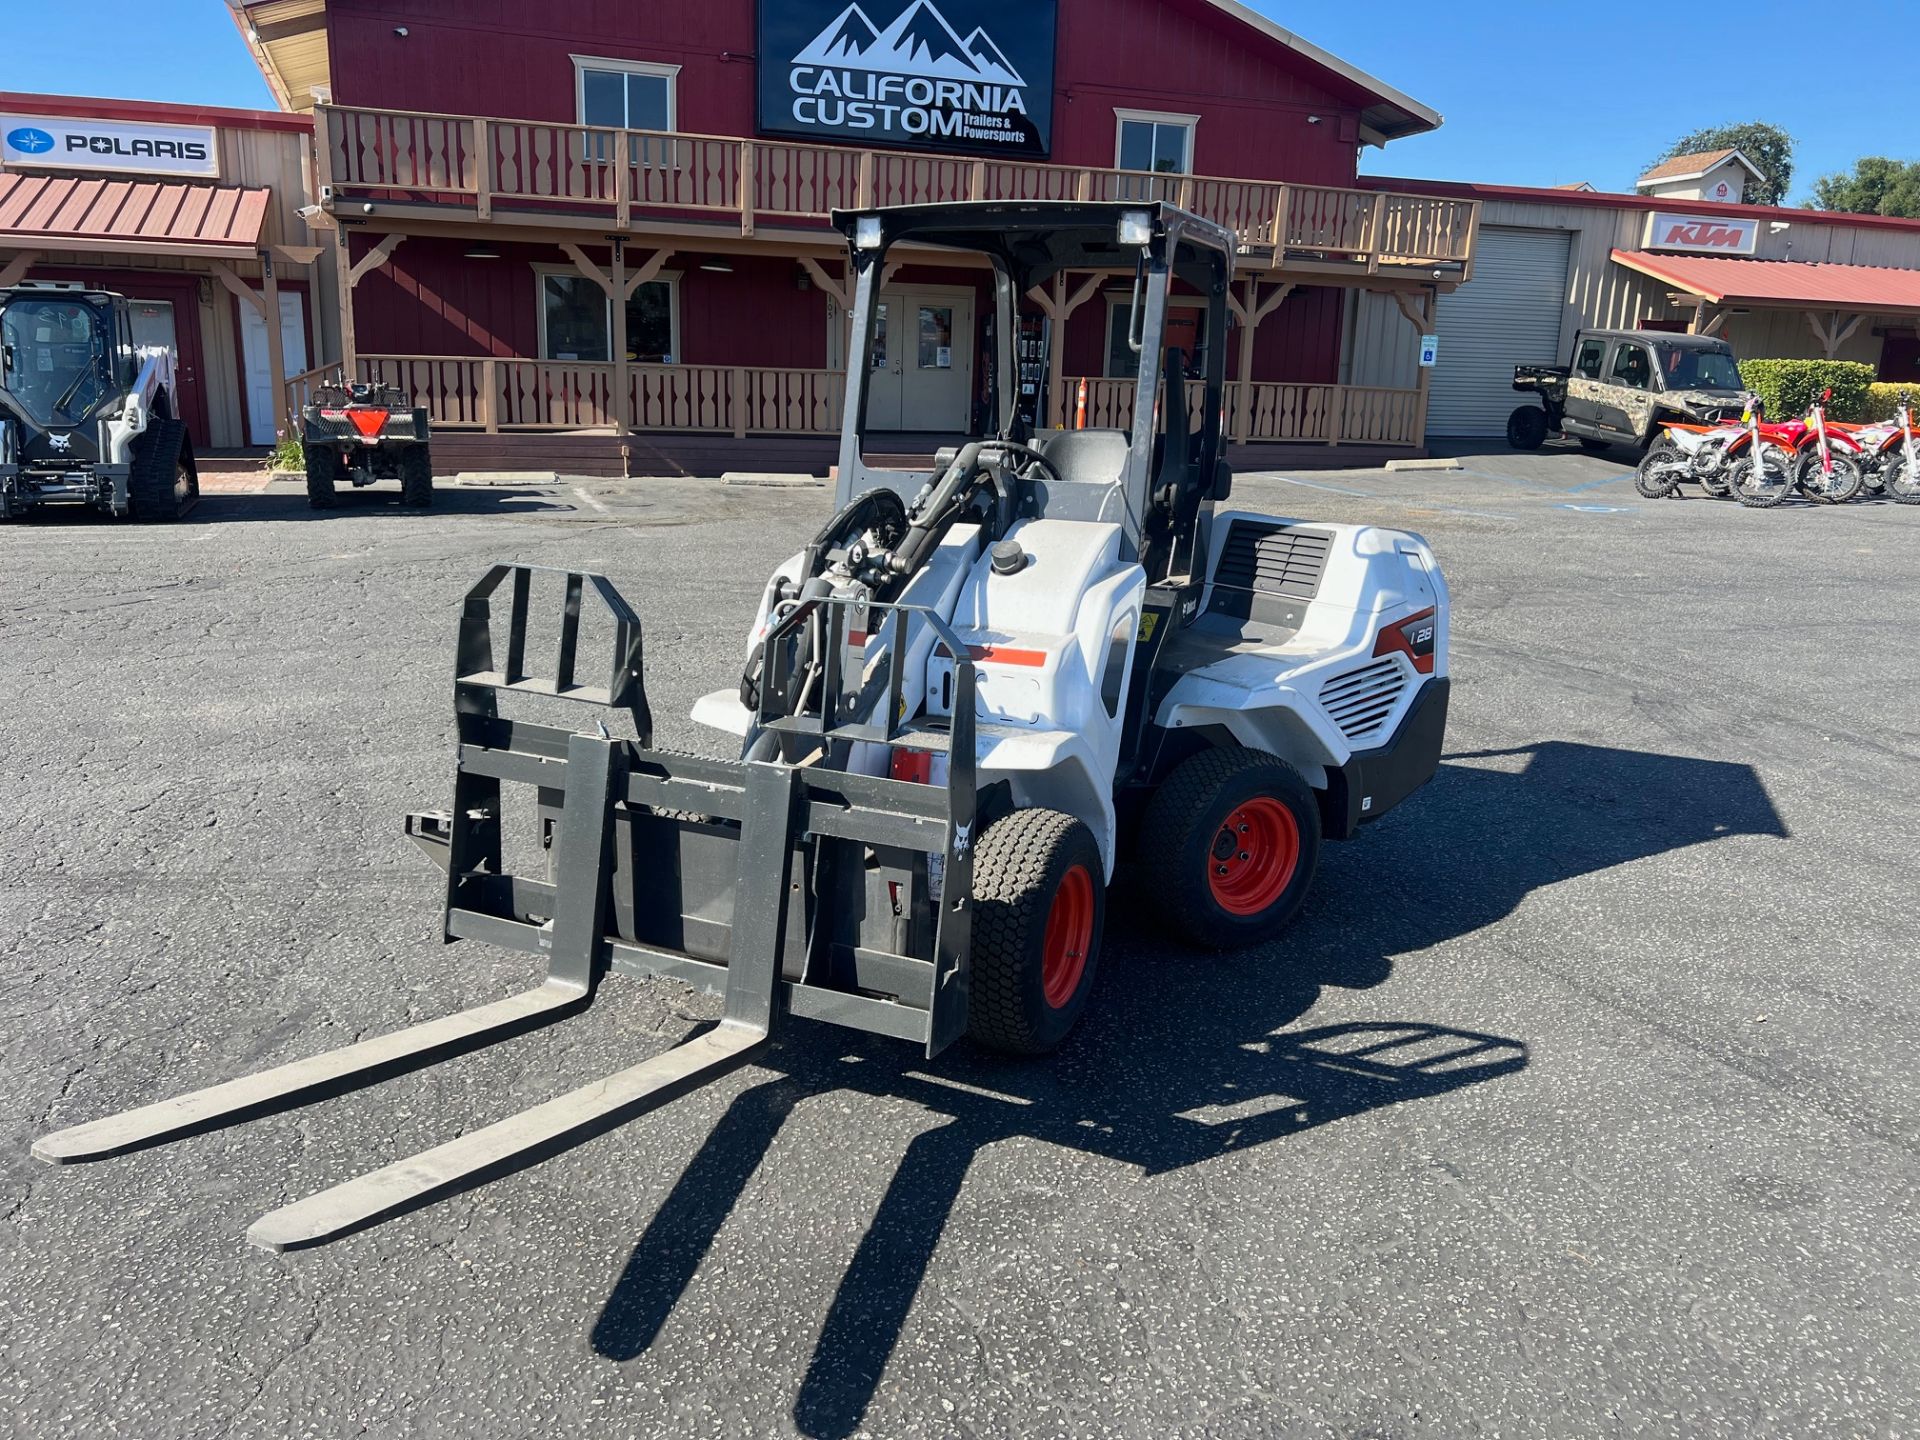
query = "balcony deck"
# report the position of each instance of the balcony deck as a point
(482, 170)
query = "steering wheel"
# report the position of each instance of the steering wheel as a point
(879, 510)
(1014, 446)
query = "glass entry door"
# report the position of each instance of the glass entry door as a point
(922, 362)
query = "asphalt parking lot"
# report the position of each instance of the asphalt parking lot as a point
(1581, 1102)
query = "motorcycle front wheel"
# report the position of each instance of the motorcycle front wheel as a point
(1764, 485)
(1833, 483)
(1901, 481)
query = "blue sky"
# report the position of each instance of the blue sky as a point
(1528, 91)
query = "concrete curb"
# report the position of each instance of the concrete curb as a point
(507, 477)
(1447, 463)
(772, 482)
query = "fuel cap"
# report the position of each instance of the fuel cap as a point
(1008, 558)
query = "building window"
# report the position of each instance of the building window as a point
(1150, 140)
(1186, 332)
(576, 319)
(625, 94)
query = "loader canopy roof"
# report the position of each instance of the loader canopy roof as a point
(1035, 240)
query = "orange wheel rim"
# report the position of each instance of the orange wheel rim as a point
(1253, 856)
(1069, 937)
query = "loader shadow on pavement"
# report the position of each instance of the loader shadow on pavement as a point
(287, 505)
(1186, 1058)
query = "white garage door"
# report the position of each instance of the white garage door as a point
(1507, 315)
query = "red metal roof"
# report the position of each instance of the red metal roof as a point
(225, 117)
(75, 212)
(1610, 200)
(1871, 288)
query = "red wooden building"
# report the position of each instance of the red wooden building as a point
(610, 219)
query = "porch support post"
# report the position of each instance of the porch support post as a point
(1250, 313)
(349, 350)
(1833, 334)
(18, 266)
(618, 287)
(352, 272)
(617, 294)
(1420, 313)
(1057, 307)
(276, 345)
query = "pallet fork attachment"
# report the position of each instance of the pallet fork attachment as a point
(786, 885)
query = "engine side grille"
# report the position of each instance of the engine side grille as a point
(1361, 700)
(1273, 559)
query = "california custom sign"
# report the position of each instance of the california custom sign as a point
(963, 75)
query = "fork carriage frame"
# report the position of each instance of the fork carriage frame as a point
(679, 865)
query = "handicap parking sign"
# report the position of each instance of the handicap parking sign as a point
(1429, 351)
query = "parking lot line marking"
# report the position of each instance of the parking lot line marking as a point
(1596, 484)
(581, 491)
(1312, 485)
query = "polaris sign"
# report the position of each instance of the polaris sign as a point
(60, 142)
(968, 75)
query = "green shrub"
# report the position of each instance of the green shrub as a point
(1788, 387)
(288, 453)
(1881, 399)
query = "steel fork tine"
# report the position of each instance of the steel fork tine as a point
(507, 1145)
(333, 1072)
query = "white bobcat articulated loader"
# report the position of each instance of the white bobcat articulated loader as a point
(972, 696)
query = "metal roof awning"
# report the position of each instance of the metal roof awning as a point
(148, 217)
(1783, 284)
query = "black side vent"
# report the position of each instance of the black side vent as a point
(1266, 559)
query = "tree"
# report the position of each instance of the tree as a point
(1876, 186)
(1768, 146)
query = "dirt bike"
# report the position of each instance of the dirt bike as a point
(1829, 462)
(1891, 454)
(1717, 458)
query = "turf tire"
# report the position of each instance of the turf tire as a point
(1186, 821)
(1023, 866)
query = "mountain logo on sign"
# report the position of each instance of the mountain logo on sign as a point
(920, 43)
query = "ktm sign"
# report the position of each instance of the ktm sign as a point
(1702, 234)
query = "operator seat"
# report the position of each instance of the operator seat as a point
(1086, 457)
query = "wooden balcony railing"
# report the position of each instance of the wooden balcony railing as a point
(1277, 411)
(565, 172)
(470, 392)
(463, 392)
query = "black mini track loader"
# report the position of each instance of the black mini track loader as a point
(87, 417)
(974, 693)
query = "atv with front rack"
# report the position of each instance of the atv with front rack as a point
(976, 693)
(357, 433)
